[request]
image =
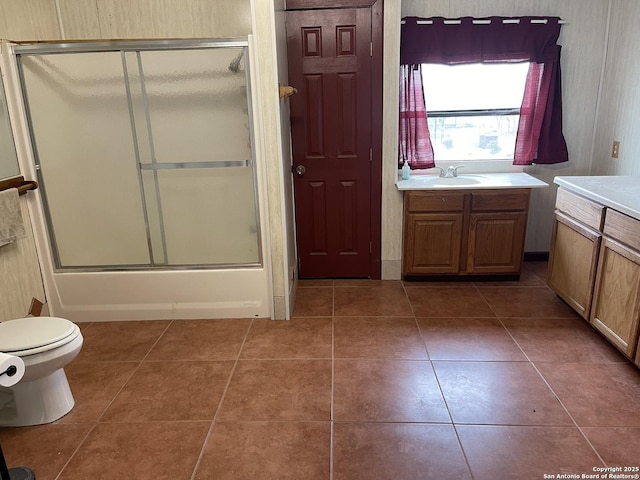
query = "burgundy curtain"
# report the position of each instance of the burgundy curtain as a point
(414, 141)
(540, 138)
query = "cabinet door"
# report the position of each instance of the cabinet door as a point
(496, 242)
(572, 262)
(432, 243)
(616, 305)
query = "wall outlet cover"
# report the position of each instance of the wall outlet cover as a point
(615, 150)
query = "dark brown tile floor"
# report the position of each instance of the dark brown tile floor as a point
(370, 380)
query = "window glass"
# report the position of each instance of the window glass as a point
(473, 109)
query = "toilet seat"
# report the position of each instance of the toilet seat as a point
(31, 335)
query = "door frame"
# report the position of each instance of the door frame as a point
(377, 14)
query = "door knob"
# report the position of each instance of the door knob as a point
(300, 170)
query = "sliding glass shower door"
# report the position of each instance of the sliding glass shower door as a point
(144, 153)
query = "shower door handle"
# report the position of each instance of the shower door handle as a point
(300, 170)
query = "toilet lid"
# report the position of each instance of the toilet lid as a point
(32, 332)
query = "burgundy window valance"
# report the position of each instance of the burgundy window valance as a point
(488, 40)
(475, 42)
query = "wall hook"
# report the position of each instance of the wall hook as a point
(286, 91)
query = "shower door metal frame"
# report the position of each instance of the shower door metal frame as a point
(137, 47)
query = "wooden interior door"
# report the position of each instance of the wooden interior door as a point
(330, 63)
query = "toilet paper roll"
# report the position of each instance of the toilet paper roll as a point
(13, 368)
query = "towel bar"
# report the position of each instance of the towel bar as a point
(20, 183)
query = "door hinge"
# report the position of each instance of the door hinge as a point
(371, 49)
(370, 247)
(370, 154)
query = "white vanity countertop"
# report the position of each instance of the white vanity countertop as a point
(617, 192)
(471, 181)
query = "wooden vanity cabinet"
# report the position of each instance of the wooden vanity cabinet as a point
(470, 232)
(497, 227)
(594, 265)
(433, 228)
(616, 301)
(575, 245)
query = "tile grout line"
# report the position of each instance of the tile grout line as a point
(84, 439)
(157, 340)
(575, 423)
(514, 338)
(333, 368)
(453, 424)
(133, 372)
(413, 312)
(444, 399)
(222, 397)
(97, 421)
(479, 291)
(533, 365)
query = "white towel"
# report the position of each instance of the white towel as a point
(11, 223)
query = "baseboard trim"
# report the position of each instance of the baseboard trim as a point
(536, 256)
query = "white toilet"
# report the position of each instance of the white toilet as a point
(46, 345)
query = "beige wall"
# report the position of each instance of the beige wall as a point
(618, 117)
(20, 278)
(583, 40)
(118, 19)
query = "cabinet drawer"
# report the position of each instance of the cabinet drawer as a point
(623, 228)
(512, 200)
(434, 201)
(584, 210)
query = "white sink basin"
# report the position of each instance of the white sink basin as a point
(470, 181)
(449, 181)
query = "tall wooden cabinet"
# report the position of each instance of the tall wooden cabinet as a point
(575, 244)
(616, 302)
(594, 265)
(464, 232)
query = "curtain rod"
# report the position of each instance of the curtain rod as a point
(482, 21)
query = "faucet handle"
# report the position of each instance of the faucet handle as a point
(455, 169)
(441, 171)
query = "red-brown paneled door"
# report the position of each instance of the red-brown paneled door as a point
(329, 54)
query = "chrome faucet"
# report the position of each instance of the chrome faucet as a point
(451, 172)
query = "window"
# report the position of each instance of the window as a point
(529, 43)
(473, 109)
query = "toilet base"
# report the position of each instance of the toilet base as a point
(37, 402)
